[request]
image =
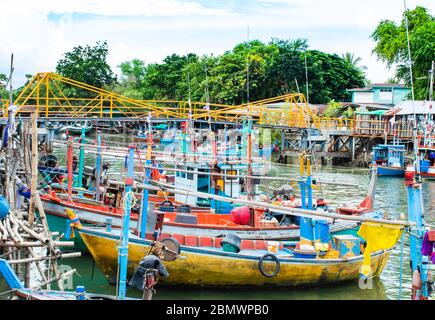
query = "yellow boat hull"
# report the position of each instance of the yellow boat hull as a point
(202, 267)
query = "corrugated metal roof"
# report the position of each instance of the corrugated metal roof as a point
(392, 112)
(420, 107)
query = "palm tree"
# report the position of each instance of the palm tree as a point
(353, 61)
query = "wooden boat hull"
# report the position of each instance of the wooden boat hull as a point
(282, 233)
(30, 294)
(60, 189)
(57, 218)
(76, 130)
(428, 176)
(211, 267)
(57, 222)
(291, 232)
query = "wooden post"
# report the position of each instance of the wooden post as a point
(34, 167)
(27, 279)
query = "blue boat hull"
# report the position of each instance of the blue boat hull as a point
(390, 171)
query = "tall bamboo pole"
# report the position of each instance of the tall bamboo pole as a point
(34, 167)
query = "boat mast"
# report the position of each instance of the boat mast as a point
(123, 248)
(98, 168)
(419, 263)
(249, 186)
(414, 132)
(8, 135)
(144, 210)
(81, 160)
(432, 71)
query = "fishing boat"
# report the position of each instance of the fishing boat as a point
(231, 261)
(426, 156)
(21, 292)
(367, 204)
(211, 266)
(182, 219)
(389, 159)
(144, 278)
(200, 210)
(77, 128)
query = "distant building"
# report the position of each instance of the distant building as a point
(379, 96)
(396, 122)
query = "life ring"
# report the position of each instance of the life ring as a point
(49, 161)
(277, 264)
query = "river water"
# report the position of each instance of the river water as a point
(390, 199)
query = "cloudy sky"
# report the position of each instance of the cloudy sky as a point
(39, 32)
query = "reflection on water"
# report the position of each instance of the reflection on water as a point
(390, 199)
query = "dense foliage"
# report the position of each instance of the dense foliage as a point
(392, 48)
(3, 92)
(337, 109)
(87, 64)
(274, 69)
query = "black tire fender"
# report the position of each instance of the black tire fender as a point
(277, 263)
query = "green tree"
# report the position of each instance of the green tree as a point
(350, 58)
(286, 67)
(133, 74)
(162, 81)
(330, 77)
(336, 110)
(392, 48)
(87, 64)
(3, 91)
(274, 68)
(229, 77)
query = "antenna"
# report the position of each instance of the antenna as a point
(10, 80)
(409, 60)
(207, 95)
(306, 76)
(412, 91)
(188, 81)
(432, 70)
(297, 86)
(247, 67)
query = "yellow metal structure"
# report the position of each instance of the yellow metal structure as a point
(50, 95)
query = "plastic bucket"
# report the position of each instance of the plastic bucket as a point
(424, 165)
(272, 246)
(228, 247)
(231, 243)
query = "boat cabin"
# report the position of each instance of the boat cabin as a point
(228, 185)
(389, 155)
(427, 161)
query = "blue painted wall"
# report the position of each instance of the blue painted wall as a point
(398, 94)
